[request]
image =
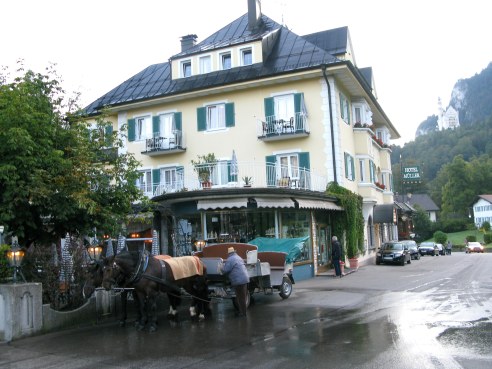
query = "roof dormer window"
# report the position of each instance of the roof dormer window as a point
(225, 61)
(205, 64)
(246, 56)
(186, 68)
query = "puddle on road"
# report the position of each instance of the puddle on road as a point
(475, 336)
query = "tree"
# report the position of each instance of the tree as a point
(422, 224)
(58, 172)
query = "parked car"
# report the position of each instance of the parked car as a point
(428, 248)
(441, 249)
(394, 253)
(412, 248)
(474, 247)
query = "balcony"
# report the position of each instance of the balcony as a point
(161, 145)
(274, 128)
(260, 176)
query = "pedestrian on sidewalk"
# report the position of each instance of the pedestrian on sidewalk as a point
(449, 247)
(336, 254)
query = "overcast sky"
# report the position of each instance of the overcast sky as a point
(418, 49)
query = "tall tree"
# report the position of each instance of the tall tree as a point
(457, 192)
(58, 173)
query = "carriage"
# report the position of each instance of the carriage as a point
(268, 271)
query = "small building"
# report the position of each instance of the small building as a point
(422, 201)
(482, 210)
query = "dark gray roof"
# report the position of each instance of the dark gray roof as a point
(289, 52)
(333, 41)
(424, 201)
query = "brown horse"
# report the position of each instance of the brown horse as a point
(149, 276)
(93, 280)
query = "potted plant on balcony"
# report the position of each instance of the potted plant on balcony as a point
(248, 181)
(203, 166)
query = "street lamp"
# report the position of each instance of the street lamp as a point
(94, 250)
(15, 256)
(200, 244)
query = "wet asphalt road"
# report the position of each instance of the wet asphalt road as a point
(434, 313)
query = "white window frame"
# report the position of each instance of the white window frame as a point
(220, 173)
(349, 165)
(223, 58)
(362, 172)
(170, 179)
(288, 166)
(244, 54)
(284, 106)
(216, 116)
(344, 108)
(205, 64)
(185, 68)
(143, 128)
(144, 182)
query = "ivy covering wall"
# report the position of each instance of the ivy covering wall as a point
(350, 221)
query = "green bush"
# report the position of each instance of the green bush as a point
(487, 238)
(5, 271)
(471, 238)
(440, 237)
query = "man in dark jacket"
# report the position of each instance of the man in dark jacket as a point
(336, 254)
(238, 276)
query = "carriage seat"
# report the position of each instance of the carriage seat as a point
(274, 258)
(219, 250)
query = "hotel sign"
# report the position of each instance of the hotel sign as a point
(411, 174)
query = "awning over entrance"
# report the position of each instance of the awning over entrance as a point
(222, 203)
(384, 214)
(274, 202)
(317, 204)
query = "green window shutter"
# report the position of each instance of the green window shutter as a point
(269, 107)
(108, 133)
(345, 159)
(229, 115)
(230, 177)
(270, 169)
(352, 163)
(178, 125)
(304, 170)
(180, 177)
(156, 179)
(297, 102)
(156, 123)
(304, 162)
(131, 130)
(201, 119)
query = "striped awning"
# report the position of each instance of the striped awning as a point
(227, 203)
(274, 202)
(317, 204)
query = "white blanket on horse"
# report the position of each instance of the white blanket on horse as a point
(185, 266)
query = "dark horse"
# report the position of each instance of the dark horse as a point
(149, 276)
(93, 280)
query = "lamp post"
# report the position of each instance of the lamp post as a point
(15, 256)
(2, 228)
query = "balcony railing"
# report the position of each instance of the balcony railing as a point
(160, 145)
(275, 128)
(228, 175)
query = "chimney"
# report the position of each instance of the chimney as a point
(187, 42)
(254, 13)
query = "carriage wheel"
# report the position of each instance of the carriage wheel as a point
(285, 288)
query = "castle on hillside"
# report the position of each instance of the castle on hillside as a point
(448, 118)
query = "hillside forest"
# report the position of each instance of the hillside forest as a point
(456, 164)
